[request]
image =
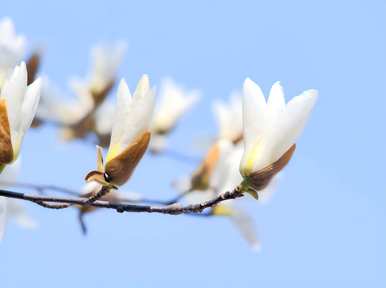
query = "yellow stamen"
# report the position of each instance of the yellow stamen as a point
(222, 210)
(113, 152)
(252, 157)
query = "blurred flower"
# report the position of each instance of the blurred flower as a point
(241, 220)
(174, 102)
(18, 105)
(271, 129)
(226, 177)
(104, 119)
(12, 48)
(68, 113)
(130, 135)
(77, 116)
(10, 208)
(33, 65)
(229, 118)
(200, 179)
(105, 61)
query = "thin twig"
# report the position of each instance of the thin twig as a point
(102, 192)
(42, 188)
(83, 225)
(174, 209)
(52, 206)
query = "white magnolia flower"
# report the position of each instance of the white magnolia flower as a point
(174, 103)
(226, 177)
(229, 118)
(130, 134)
(271, 129)
(12, 48)
(18, 105)
(104, 118)
(105, 61)
(53, 108)
(200, 179)
(90, 92)
(10, 208)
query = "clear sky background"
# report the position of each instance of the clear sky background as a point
(325, 226)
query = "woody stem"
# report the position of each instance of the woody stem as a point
(174, 209)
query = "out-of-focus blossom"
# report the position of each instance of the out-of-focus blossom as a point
(229, 118)
(10, 208)
(242, 221)
(33, 65)
(18, 105)
(105, 61)
(130, 134)
(77, 116)
(54, 109)
(174, 103)
(226, 177)
(271, 129)
(104, 119)
(200, 179)
(12, 48)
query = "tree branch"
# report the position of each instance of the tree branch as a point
(174, 209)
(42, 188)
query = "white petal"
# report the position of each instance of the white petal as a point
(292, 124)
(276, 101)
(91, 187)
(82, 91)
(229, 117)
(30, 105)
(245, 224)
(143, 86)
(14, 91)
(222, 115)
(105, 60)
(27, 114)
(133, 115)
(12, 47)
(254, 112)
(104, 118)
(281, 126)
(221, 171)
(121, 112)
(174, 102)
(7, 27)
(54, 108)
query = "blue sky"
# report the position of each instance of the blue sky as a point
(323, 227)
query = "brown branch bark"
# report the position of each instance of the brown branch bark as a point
(174, 209)
(43, 188)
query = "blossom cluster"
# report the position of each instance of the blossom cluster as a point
(256, 135)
